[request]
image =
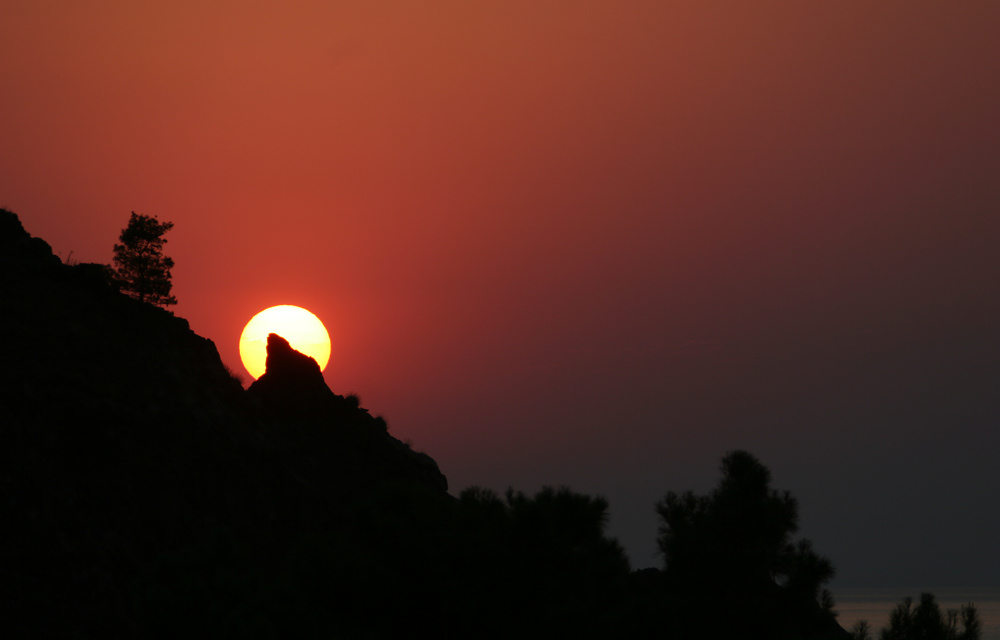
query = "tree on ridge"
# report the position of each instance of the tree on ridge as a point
(141, 269)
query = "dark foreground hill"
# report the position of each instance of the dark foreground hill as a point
(136, 474)
(144, 493)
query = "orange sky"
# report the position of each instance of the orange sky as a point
(585, 243)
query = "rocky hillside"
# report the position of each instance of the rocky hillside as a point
(136, 473)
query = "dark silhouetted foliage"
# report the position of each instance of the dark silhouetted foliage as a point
(536, 566)
(927, 622)
(142, 270)
(861, 630)
(731, 563)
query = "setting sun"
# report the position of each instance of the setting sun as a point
(302, 329)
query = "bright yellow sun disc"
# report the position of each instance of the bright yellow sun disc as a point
(302, 329)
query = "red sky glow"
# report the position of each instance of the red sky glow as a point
(595, 244)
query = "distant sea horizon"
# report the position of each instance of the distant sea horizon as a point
(875, 604)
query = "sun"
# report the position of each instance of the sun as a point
(302, 329)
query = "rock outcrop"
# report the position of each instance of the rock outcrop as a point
(333, 429)
(290, 378)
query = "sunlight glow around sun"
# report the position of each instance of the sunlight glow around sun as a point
(302, 329)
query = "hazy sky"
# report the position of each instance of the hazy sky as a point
(596, 244)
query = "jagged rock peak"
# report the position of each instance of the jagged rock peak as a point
(20, 250)
(283, 360)
(290, 378)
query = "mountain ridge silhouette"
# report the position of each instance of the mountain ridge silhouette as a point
(144, 493)
(126, 442)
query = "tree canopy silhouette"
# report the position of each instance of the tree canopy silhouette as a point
(731, 552)
(535, 566)
(926, 622)
(141, 269)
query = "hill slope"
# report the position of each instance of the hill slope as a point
(132, 461)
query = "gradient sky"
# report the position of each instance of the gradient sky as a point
(596, 244)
